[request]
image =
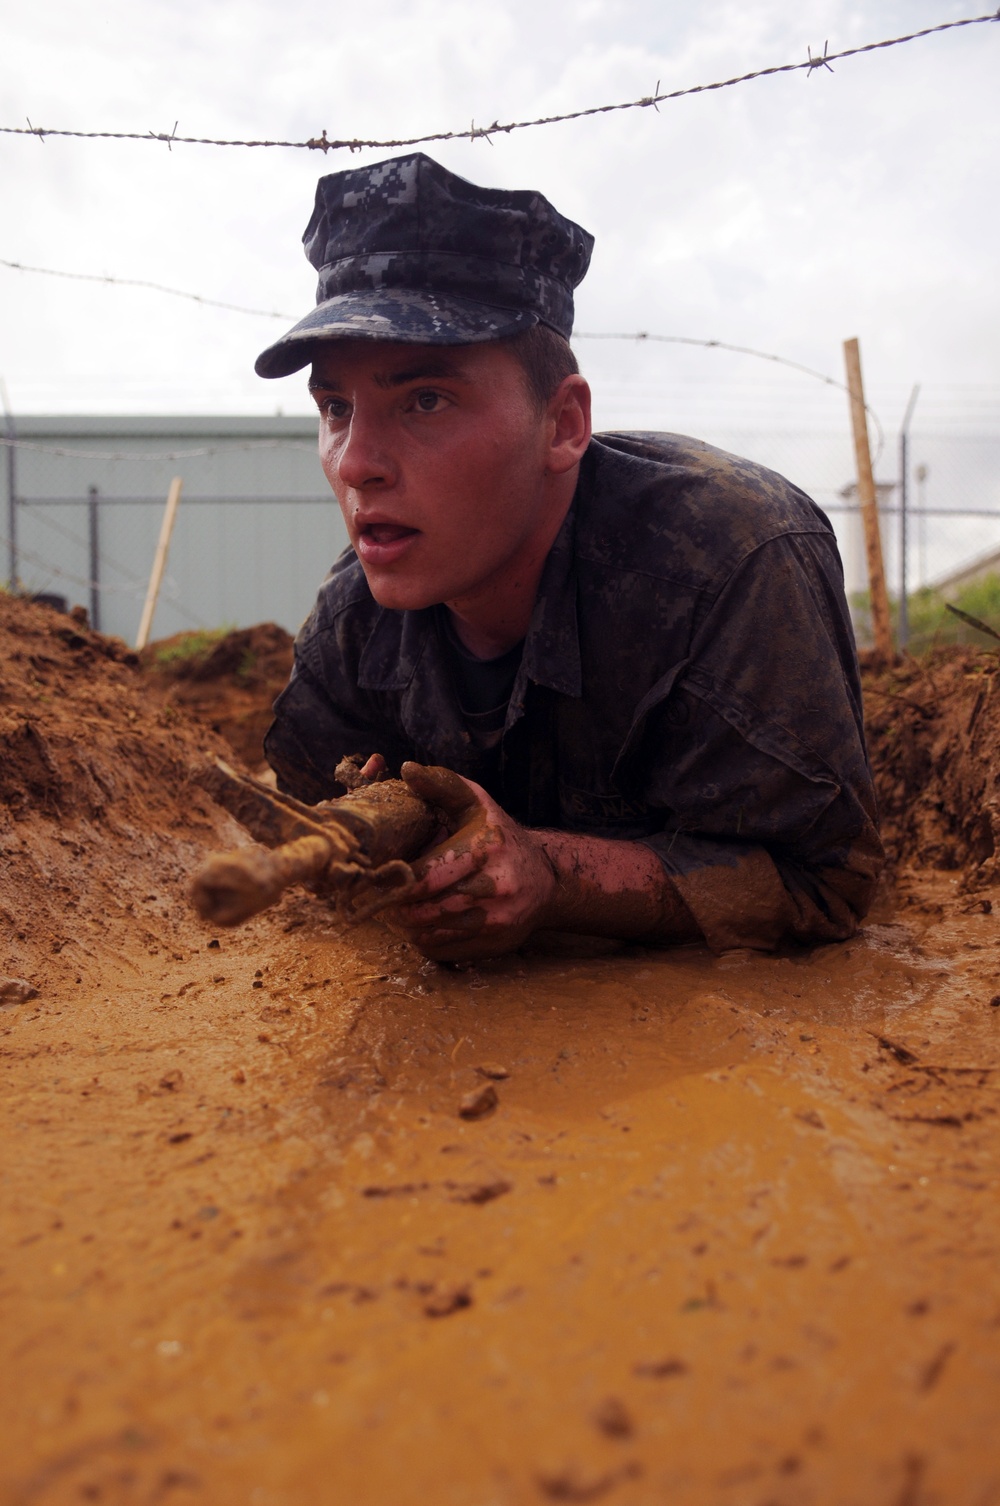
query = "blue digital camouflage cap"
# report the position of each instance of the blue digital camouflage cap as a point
(408, 251)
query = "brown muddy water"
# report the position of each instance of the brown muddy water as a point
(728, 1234)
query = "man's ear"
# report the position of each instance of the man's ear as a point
(568, 416)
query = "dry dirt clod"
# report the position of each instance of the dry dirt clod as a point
(660, 1369)
(447, 1300)
(492, 1070)
(16, 991)
(478, 1192)
(479, 1102)
(613, 1418)
(572, 1484)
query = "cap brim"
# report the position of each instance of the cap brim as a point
(408, 317)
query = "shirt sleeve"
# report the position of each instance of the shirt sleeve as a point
(757, 758)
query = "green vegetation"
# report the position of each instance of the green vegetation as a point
(930, 622)
(246, 667)
(188, 646)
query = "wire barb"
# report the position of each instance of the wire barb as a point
(819, 61)
(324, 144)
(155, 287)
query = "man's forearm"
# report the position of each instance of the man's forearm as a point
(610, 888)
(492, 883)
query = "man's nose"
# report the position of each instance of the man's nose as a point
(363, 458)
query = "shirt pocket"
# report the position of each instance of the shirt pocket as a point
(626, 774)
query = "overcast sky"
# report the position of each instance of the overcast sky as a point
(785, 214)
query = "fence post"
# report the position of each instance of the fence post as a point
(904, 506)
(95, 559)
(11, 487)
(159, 561)
(881, 625)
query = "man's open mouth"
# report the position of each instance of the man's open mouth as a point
(386, 533)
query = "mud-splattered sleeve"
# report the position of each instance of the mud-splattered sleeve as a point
(758, 758)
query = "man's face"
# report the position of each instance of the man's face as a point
(437, 456)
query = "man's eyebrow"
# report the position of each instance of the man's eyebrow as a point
(427, 368)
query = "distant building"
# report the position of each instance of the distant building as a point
(969, 574)
(257, 529)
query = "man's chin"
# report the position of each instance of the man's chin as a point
(398, 595)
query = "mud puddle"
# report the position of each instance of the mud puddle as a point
(293, 1217)
(729, 1233)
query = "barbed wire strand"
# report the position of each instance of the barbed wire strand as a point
(743, 350)
(197, 454)
(322, 143)
(638, 337)
(137, 282)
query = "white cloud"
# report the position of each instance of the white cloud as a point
(786, 214)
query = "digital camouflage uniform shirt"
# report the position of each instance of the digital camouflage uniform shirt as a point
(688, 681)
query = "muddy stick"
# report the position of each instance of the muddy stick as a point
(233, 886)
(355, 849)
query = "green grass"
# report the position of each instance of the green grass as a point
(196, 645)
(930, 623)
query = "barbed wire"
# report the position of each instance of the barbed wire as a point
(744, 350)
(9, 442)
(137, 282)
(322, 143)
(637, 337)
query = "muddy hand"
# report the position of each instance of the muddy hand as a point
(482, 889)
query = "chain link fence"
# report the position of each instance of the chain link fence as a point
(258, 526)
(952, 521)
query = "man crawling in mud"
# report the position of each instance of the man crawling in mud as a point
(622, 665)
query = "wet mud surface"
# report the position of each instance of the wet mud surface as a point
(291, 1215)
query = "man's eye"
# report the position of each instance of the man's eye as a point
(333, 407)
(428, 402)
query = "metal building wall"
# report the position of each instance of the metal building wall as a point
(256, 531)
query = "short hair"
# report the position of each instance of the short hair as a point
(545, 358)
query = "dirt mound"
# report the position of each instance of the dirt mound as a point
(934, 736)
(227, 682)
(97, 807)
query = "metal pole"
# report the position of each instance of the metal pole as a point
(95, 559)
(904, 491)
(11, 487)
(921, 475)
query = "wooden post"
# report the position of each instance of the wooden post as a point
(159, 561)
(868, 497)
